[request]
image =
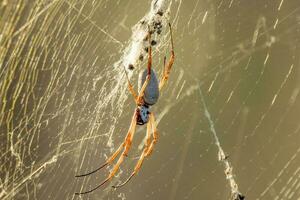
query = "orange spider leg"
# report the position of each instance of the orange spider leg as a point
(167, 69)
(108, 161)
(162, 73)
(143, 155)
(130, 87)
(138, 98)
(126, 145)
(148, 77)
(155, 134)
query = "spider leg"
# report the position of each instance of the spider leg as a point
(130, 87)
(167, 69)
(155, 134)
(148, 77)
(164, 69)
(128, 141)
(126, 144)
(112, 173)
(142, 157)
(108, 161)
(89, 191)
(136, 169)
(124, 153)
(138, 98)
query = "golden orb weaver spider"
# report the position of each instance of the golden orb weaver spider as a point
(148, 95)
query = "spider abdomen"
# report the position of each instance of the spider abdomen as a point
(151, 94)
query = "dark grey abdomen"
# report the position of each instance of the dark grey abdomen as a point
(152, 91)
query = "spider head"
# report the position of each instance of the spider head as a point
(142, 114)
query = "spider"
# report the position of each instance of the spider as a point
(149, 89)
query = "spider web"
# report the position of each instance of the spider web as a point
(228, 118)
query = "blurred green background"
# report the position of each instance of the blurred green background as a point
(64, 105)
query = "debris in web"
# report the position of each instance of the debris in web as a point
(222, 157)
(154, 22)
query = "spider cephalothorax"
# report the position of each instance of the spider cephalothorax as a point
(142, 113)
(149, 89)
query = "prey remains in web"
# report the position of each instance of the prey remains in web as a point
(149, 89)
